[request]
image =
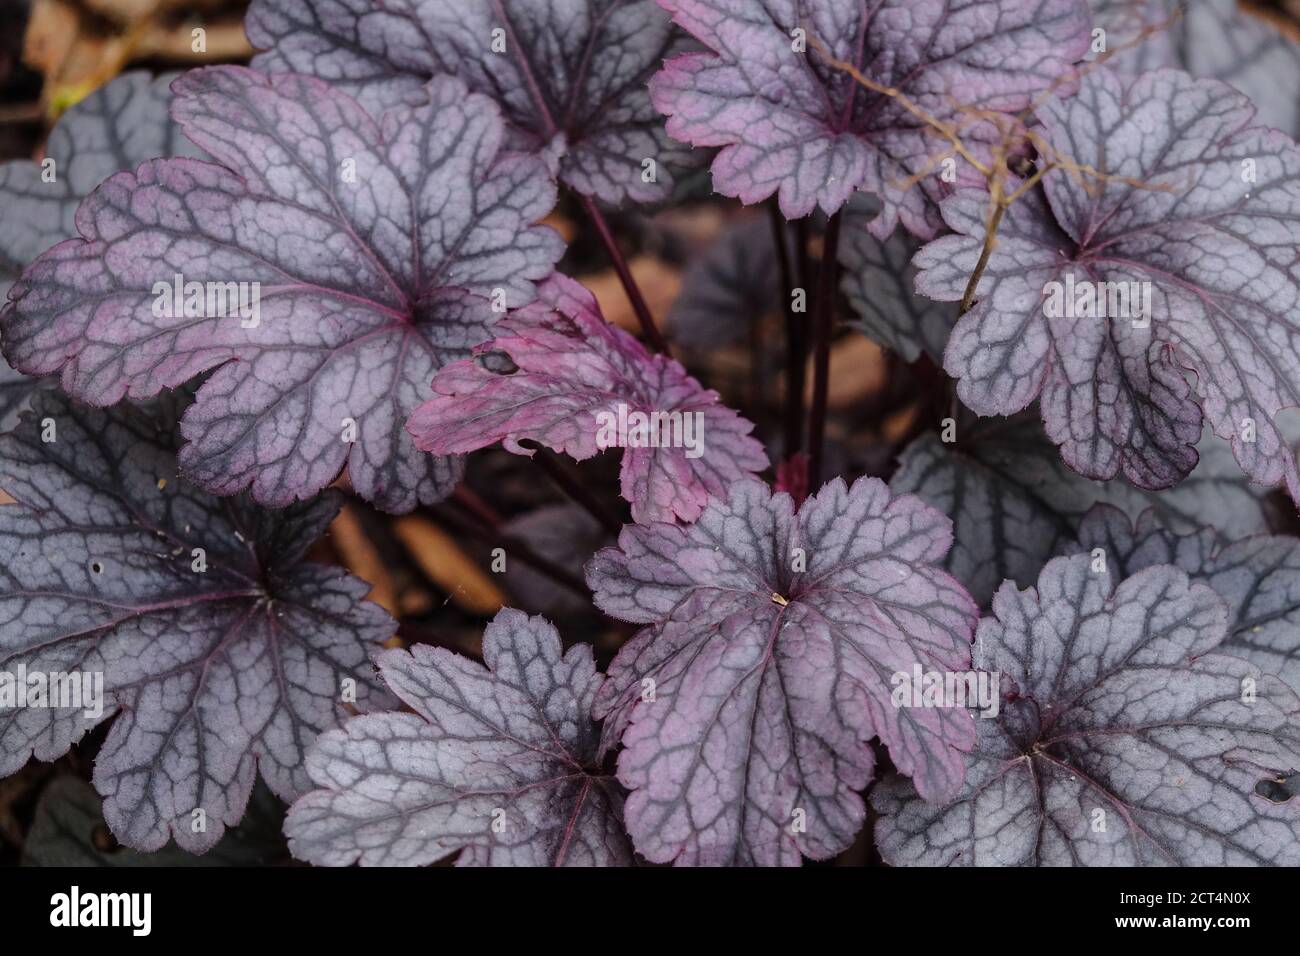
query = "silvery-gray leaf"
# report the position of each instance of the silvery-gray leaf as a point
(1128, 740)
(1014, 503)
(1258, 578)
(497, 762)
(193, 619)
(1211, 38)
(116, 127)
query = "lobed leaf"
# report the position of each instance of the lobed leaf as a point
(380, 251)
(1220, 39)
(1014, 504)
(574, 383)
(1196, 220)
(746, 704)
(569, 76)
(116, 127)
(220, 650)
(792, 125)
(1128, 740)
(496, 762)
(1258, 578)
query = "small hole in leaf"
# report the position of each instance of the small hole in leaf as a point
(497, 362)
(1274, 791)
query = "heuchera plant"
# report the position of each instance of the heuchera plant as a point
(937, 512)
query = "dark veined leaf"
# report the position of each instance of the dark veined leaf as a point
(192, 616)
(1128, 739)
(1102, 295)
(69, 830)
(880, 283)
(569, 75)
(791, 124)
(1258, 578)
(577, 384)
(116, 127)
(365, 255)
(746, 706)
(729, 288)
(496, 762)
(1211, 38)
(119, 125)
(1014, 503)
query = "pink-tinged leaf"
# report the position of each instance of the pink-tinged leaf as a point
(569, 75)
(789, 123)
(1219, 39)
(496, 762)
(379, 252)
(1127, 739)
(1197, 223)
(116, 127)
(221, 652)
(578, 385)
(746, 706)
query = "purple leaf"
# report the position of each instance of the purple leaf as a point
(1258, 578)
(566, 535)
(116, 127)
(370, 255)
(746, 705)
(879, 281)
(1128, 742)
(1210, 38)
(224, 652)
(1014, 504)
(496, 762)
(1190, 245)
(569, 75)
(791, 124)
(729, 288)
(578, 385)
